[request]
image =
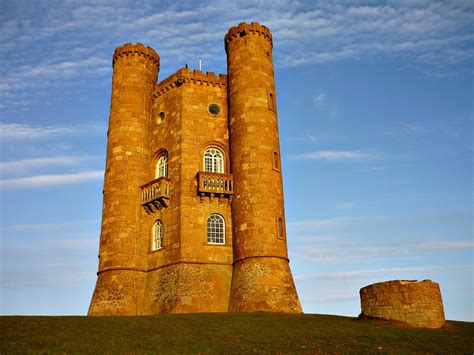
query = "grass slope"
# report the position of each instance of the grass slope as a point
(225, 333)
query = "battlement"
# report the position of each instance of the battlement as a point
(185, 75)
(202, 137)
(137, 49)
(244, 28)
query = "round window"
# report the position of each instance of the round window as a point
(214, 109)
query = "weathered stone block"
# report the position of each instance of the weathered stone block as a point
(417, 303)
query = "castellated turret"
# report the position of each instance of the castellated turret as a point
(122, 254)
(262, 280)
(193, 213)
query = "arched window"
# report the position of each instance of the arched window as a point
(157, 242)
(214, 161)
(215, 229)
(162, 166)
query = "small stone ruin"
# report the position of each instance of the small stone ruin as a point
(416, 303)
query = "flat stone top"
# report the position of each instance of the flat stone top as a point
(401, 282)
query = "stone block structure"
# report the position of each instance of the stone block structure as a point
(416, 303)
(193, 211)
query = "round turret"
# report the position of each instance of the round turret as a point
(122, 255)
(262, 278)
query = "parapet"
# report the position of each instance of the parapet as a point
(416, 303)
(185, 75)
(244, 28)
(137, 49)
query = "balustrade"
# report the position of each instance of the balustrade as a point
(215, 183)
(156, 194)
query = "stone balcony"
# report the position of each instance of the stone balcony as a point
(215, 185)
(155, 194)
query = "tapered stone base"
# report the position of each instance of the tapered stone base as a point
(188, 288)
(263, 284)
(117, 293)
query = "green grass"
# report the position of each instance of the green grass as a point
(226, 333)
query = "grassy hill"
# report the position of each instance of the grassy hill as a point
(226, 333)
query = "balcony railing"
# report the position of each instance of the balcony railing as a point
(156, 194)
(214, 183)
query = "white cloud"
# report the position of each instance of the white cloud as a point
(349, 251)
(52, 180)
(362, 274)
(380, 273)
(18, 131)
(80, 37)
(67, 225)
(320, 99)
(338, 155)
(22, 166)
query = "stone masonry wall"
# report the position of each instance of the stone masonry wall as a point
(122, 254)
(417, 303)
(188, 274)
(262, 279)
(250, 270)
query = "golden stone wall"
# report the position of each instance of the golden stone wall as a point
(417, 303)
(262, 278)
(123, 253)
(250, 271)
(185, 132)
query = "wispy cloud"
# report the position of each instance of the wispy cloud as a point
(338, 155)
(320, 99)
(362, 274)
(18, 131)
(436, 33)
(52, 180)
(66, 225)
(22, 166)
(350, 251)
(312, 138)
(325, 106)
(375, 273)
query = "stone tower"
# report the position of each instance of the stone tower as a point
(262, 280)
(122, 254)
(193, 216)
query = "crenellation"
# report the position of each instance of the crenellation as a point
(184, 75)
(244, 28)
(136, 49)
(178, 150)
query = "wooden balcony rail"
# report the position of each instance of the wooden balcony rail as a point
(156, 194)
(215, 183)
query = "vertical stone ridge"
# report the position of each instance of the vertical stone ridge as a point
(262, 279)
(122, 252)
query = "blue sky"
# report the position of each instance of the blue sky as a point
(375, 104)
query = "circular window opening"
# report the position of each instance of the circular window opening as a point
(160, 118)
(214, 109)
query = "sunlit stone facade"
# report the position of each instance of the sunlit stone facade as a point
(193, 213)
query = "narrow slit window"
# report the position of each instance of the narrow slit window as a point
(276, 161)
(281, 228)
(271, 101)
